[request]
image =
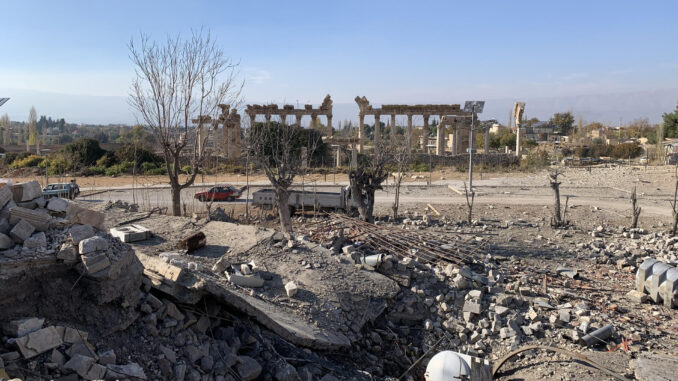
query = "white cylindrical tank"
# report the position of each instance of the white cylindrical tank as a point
(447, 366)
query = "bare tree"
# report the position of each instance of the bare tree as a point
(31, 133)
(635, 209)
(401, 161)
(178, 87)
(469, 204)
(558, 219)
(281, 151)
(367, 178)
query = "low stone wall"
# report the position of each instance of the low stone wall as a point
(493, 160)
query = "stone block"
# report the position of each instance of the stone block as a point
(108, 357)
(95, 372)
(291, 289)
(248, 368)
(26, 191)
(40, 219)
(5, 196)
(77, 214)
(79, 364)
(80, 232)
(41, 202)
(67, 253)
(35, 241)
(72, 335)
(22, 327)
(92, 244)
(472, 307)
(95, 262)
(252, 281)
(636, 296)
(39, 342)
(131, 370)
(28, 204)
(221, 265)
(21, 231)
(6, 242)
(4, 225)
(57, 205)
(131, 233)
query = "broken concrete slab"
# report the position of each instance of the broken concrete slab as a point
(131, 233)
(80, 232)
(567, 272)
(39, 218)
(21, 327)
(21, 231)
(39, 342)
(655, 367)
(67, 253)
(72, 335)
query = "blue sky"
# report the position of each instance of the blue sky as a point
(407, 52)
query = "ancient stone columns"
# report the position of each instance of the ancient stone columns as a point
(518, 109)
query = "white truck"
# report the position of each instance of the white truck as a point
(308, 200)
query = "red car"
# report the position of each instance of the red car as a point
(220, 193)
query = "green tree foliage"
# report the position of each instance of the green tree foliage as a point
(84, 152)
(616, 151)
(564, 122)
(671, 124)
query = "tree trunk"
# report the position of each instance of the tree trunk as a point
(176, 199)
(396, 201)
(283, 198)
(369, 208)
(358, 196)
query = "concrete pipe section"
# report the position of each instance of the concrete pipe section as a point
(659, 281)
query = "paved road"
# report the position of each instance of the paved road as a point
(488, 192)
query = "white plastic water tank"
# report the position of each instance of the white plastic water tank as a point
(448, 366)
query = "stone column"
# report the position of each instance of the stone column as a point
(314, 121)
(440, 138)
(361, 131)
(268, 118)
(253, 118)
(354, 156)
(426, 132)
(518, 139)
(297, 119)
(329, 125)
(283, 119)
(377, 131)
(455, 139)
(338, 157)
(409, 133)
(393, 126)
(487, 140)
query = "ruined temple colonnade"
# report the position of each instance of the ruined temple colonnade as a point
(270, 110)
(442, 110)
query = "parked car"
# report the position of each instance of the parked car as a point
(220, 193)
(63, 190)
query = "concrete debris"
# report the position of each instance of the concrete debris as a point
(39, 341)
(133, 370)
(80, 232)
(95, 262)
(22, 327)
(131, 233)
(21, 231)
(35, 241)
(248, 368)
(90, 245)
(57, 205)
(659, 280)
(655, 367)
(291, 289)
(193, 242)
(5, 242)
(250, 281)
(77, 214)
(79, 364)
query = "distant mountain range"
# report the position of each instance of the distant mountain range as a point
(606, 108)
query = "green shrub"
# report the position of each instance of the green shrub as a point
(186, 169)
(29, 161)
(158, 171)
(84, 152)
